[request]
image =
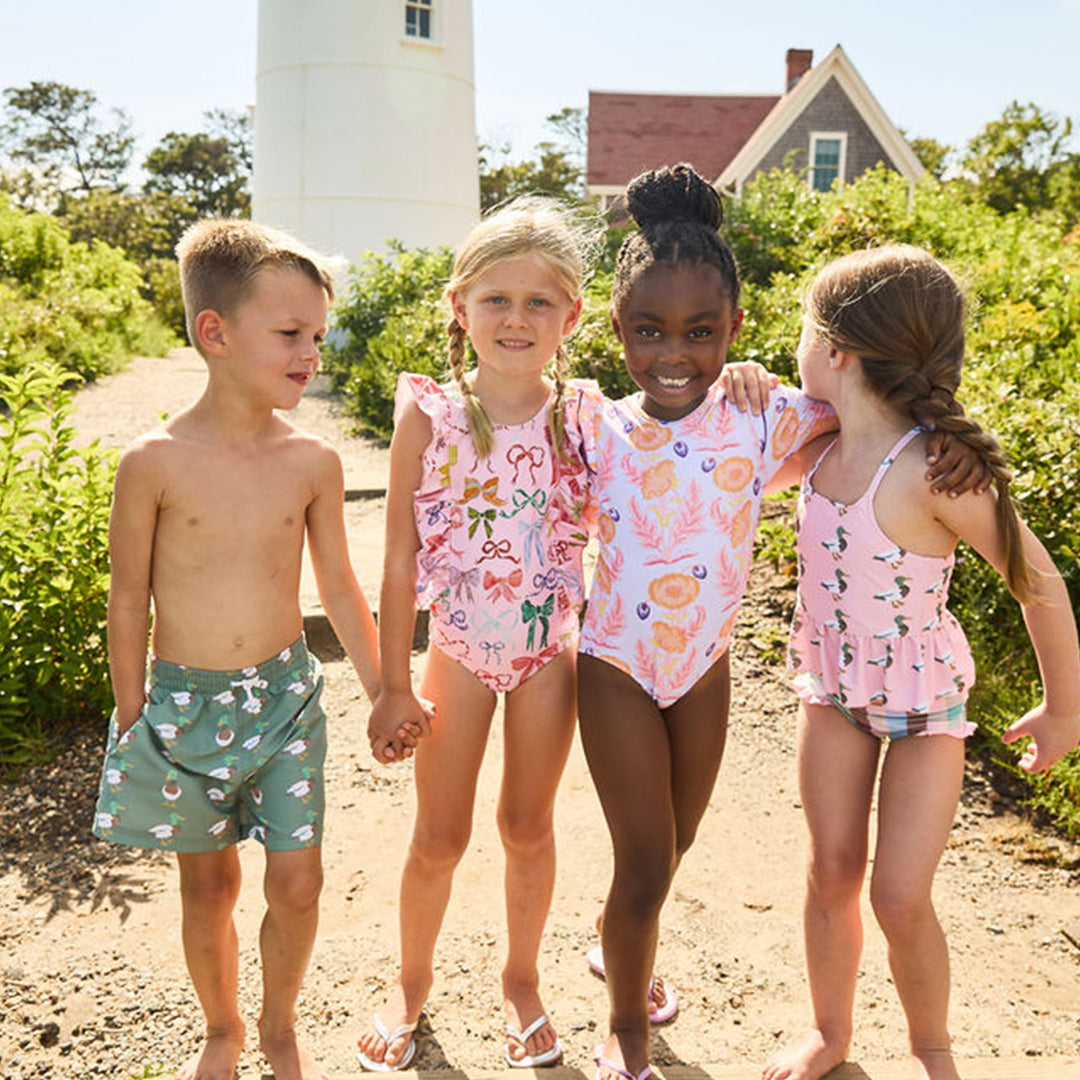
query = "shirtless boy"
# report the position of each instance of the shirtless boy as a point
(221, 736)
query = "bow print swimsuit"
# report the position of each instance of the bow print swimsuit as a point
(501, 537)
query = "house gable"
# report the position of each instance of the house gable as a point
(831, 97)
(730, 138)
(831, 110)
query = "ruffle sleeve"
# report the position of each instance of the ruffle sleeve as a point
(584, 402)
(433, 502)
(425, 391)
(573, 504)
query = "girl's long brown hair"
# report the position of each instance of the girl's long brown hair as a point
(902, 313)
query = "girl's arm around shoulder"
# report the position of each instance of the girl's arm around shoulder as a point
(798, 464)
(339, 591)
(397, 708)
(1053, 726)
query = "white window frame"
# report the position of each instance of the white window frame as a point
(432, 7)
(828, 136)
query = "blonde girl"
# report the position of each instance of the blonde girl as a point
(485, 526)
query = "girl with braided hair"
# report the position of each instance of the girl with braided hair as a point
(878, 656)
(486, 520)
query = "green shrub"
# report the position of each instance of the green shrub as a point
(146, 228)
(75, 305)
(54, 509)
(389, 320)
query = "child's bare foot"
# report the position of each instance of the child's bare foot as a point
(387, 1040)
(934, 1065)
(217, 1057)
(288, 1059)
(529, 1032)
(807, 1058)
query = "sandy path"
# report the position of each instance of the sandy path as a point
(94, 983)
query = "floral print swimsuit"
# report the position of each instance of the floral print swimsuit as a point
(678, 505)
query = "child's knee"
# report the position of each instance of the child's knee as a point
(899, 907)
(642, 882)
(293, 888)
(439, 848)
(835, 876)
(526, 836)
(209, 887)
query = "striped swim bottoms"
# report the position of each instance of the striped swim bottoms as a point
(950, 718)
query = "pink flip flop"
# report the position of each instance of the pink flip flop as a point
(606, 1063)
(657, 1014)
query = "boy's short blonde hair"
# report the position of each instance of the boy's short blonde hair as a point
(220, 258)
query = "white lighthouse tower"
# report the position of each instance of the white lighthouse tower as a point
(365, 125)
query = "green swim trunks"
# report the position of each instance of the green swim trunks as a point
(217, 756)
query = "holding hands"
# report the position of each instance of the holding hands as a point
(399, 719)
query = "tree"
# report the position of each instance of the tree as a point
(572, 124)
(144, 226)
(235, 127)
(558, 170)
(202, 170)
(209, 170)
(60, 133)
(934, 156)
(552, 174)
(1013, 159)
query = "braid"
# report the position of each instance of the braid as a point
(480, 428)
(556, 415)
(939, 409)
(566, 240)
(678, 214)
(902, 313)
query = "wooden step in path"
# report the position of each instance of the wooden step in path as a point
(971, 1069)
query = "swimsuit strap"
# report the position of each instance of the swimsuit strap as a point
(889, 458)
(814, 468)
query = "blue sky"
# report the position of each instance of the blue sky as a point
(939, 68)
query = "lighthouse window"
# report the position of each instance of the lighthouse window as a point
(418, 18)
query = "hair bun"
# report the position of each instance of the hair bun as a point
(673, 193)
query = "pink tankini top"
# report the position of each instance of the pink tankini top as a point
(678, 504)
(871, 626)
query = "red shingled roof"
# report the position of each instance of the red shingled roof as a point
(632, 132)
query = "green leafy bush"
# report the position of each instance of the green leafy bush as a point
(74, 305)
(146, 228)
(54, 510)
(389, 320)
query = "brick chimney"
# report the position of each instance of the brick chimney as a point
(799, 62)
